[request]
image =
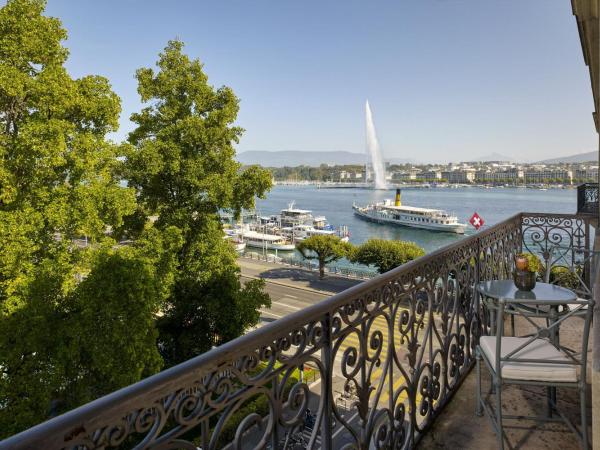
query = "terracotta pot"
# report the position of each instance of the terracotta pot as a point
(521, 262)
(524, 280)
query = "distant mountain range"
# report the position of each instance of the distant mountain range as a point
(304, 158)
(580, 157)
(493, 157)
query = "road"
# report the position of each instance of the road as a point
(291, 289)
(286, 300)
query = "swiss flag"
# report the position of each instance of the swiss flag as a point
(476, 220)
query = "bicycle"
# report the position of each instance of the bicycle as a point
(294, 441)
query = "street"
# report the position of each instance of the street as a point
(291, 289)
(286, 300)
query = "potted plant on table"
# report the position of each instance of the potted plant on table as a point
(527, 267)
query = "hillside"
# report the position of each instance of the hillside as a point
(493, 157)
(580, 157)
(304, 158)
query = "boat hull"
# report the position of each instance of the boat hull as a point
(240, 247)
(454, 228)
(271, 246)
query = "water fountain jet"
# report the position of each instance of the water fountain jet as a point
(374, 151)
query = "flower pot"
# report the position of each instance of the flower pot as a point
(524, 279)
(521, 263)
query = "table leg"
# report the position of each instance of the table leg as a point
(555, 339)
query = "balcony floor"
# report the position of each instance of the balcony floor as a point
(459, 427)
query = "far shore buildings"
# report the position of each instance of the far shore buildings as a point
(587, 173)
(499, 173)
(430, 175)
(496, 172)
(548, 175)
(462, 176)
(512, 175)
(351, 176)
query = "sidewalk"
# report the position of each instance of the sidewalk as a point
(294, 277)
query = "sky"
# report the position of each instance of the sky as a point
(447, 80)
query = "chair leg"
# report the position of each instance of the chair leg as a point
(479, 408)
(551, 401)
(512, 324)
(500, 434)
(584, 426)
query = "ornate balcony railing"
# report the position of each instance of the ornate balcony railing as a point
(587, 199)
(399, 345)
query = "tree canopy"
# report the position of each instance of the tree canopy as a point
(385, 255)
(73, 309)
(325, 248)
(81, 313)
(181, 163)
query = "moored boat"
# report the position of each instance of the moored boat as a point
(235, 241)
(266, 241)
(410, 216)
(302, 231)
(299, 224)
(291, 224)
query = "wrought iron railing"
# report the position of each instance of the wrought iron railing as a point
(564, 245)
(587, 199)
(398, 345)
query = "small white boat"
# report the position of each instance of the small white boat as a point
(299, 224)
(266, 241)
(292, 216)
(303, 231)
(237, 243)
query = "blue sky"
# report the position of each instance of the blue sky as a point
(446, 79)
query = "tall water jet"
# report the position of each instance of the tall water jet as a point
(374, 151)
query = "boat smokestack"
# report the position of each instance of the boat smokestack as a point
(398, 198)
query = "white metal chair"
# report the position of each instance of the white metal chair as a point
(537, 359)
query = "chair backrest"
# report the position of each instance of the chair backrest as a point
(570, 267)
(531, 309)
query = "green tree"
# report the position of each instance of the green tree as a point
(324, 248)
(66, 296)
(121, 297)
(181, 163)
(385, 255)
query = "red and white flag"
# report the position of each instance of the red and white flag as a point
(476, 220)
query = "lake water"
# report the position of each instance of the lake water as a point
(493, 205)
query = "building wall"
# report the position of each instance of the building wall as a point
(588, 174)
(430, 175)
(542, 176)
(459, 176)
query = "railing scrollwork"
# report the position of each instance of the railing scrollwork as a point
(587, 199)
(400, 344)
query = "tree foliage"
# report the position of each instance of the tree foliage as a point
(76, 314)
(181, 163)
(111, 329)
(385, 255)
(325, 248)
(79, 311)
